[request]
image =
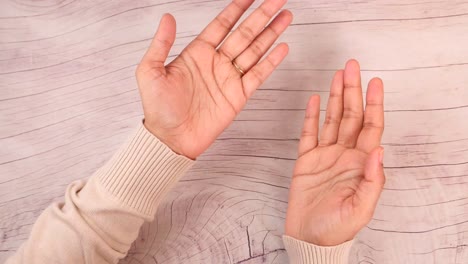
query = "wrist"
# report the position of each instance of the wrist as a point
(320, 232)
(172, 144)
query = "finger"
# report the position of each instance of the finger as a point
(217, 30)
(260, 72)
(162, 41)
(351, 122)
(309, 135)
(249, 57)
(329, 133)
(370, 187)
(373, 126)
(248, 30)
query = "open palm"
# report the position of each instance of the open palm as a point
(189, 102)
(338, 176)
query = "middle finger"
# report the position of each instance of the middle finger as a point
(351, 122)
(249, 57)
(248, 30)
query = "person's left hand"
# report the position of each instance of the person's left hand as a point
(189, 102)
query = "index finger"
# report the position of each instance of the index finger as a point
(373, 126)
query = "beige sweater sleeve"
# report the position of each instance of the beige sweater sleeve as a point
(101, 217)
(301, 252)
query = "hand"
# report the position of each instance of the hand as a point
(189, 102)
(338, 176)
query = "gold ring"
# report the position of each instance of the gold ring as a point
(238, 68)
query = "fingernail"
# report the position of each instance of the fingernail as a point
(381, 155)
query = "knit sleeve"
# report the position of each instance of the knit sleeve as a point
(101, 217)
(301, 252)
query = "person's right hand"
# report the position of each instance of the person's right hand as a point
(339, 175)
(189, 102)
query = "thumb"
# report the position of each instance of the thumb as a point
(162, 41)
(371, 186)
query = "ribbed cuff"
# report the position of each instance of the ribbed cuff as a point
(142, 172)
(301, 252)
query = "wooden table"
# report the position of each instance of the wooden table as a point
(68, 99)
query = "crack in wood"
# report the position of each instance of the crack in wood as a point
(248, 241)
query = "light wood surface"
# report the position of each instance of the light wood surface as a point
(68, 99)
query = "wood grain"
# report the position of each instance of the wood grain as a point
(68, 98)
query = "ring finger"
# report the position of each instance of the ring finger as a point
(249, 57)
(331, 126)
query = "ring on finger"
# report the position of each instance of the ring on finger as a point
(238, 68)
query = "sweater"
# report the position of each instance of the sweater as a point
(101, 217)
